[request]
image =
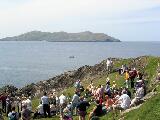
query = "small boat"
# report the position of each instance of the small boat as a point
(71, 57)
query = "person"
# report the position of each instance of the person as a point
(127, 78)
(99, 93)
(67, 115)
(133, 74)
(45, 103)
(75, 101)
(53, 109)
(1, 115)
(39, 111)
(138, 95)
(26, 114)
(77, 85)
(123, 102)
(3, 100)
(29, 103)
(97, 111)
(13, 115)
(109, 102)
(82, 106)
(109, 65)
(114, 85)
(8, 104)
(62, 103)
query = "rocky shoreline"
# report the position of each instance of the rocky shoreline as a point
(67, 79)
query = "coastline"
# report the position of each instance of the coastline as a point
(67, 79)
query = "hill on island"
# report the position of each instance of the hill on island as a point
(86, 36)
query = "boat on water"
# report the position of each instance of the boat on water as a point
(71, 57)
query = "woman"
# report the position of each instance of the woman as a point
(97, 111)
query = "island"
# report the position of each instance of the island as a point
(86, 36)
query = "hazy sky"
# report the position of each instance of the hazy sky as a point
(127, 20)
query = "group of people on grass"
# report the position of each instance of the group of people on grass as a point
(105, 98)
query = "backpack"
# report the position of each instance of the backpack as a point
(14, 116)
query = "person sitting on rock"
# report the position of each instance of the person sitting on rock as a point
(138, 96)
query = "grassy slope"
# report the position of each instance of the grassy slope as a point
(135, 114)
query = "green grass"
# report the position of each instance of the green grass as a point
(150, 110)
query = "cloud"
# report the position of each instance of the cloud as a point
(24, 15)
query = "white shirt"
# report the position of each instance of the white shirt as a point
(40, 109)
(125, 101)
(45, 100)
(29, 104)
(75, 98)
(23, 102)
(109, 62)
(62, 99)
(140, 93)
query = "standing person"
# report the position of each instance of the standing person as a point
(45, 103)
(8, 104)
(109, 65)
(82, 106)
(29, 103)
(13, 115)
(3, 100)
(127, 78)
(62, 103)
(75, 101)
(26, 114)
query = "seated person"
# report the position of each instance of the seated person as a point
(53, 109)
(39, 111)
(109, 103)
(123, 102)
(97, 111)
(138, 95)
(13, 115)
(67, 115)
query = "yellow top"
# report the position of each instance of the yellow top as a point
(126, 76)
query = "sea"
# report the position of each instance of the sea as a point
(25, 62)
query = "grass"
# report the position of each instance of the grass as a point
(148, 111)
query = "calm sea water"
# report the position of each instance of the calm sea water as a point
(22, 63)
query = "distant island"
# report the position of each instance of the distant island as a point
(86, 36)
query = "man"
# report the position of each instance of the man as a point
(62, 103)
(13, 115)
(109, 65)
(45, 103)
(82, 106)
(26, 114)
(123, 102)
(75, 101)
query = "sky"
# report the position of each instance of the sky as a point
(127, 20)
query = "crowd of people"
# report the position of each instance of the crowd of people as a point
(107, 97)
